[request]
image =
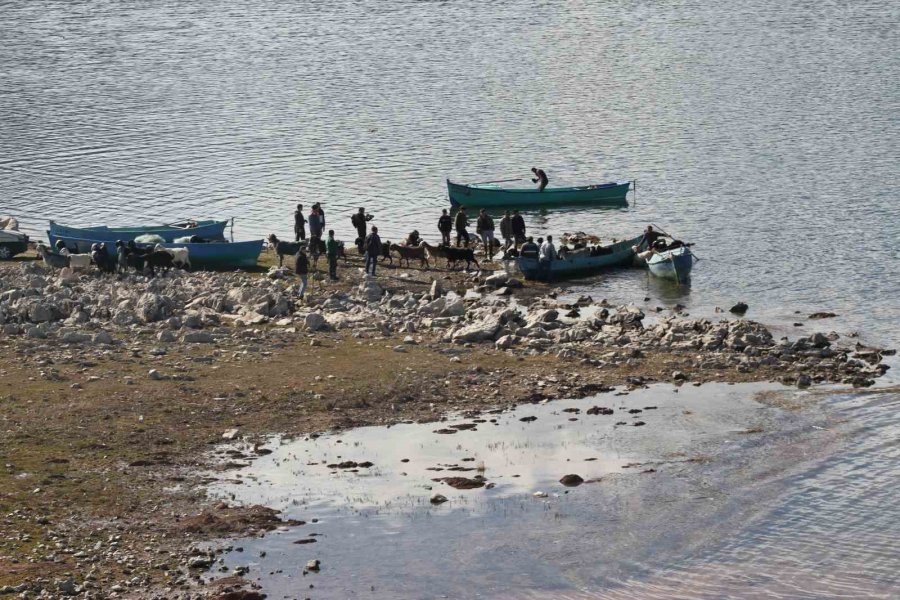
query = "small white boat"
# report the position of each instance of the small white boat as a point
(672, 264)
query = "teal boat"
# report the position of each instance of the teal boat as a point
(211, 230)
(212, 255)
(492, 195)
(580, 262)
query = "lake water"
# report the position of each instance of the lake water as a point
(691, 504)
(764, 131)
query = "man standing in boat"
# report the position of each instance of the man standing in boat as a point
(518, 228)
(540, 178)
(299, 224)
(546, 256)
(462, 221)
(445, 226)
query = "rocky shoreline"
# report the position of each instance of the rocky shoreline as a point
(100, 370)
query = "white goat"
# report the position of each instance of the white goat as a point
(79, 262)
(180, 256)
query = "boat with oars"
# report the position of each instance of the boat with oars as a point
(491, 194)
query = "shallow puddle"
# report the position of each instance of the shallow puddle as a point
(706, 470)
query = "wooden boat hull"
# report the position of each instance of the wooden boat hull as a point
(604, 194)
(672, 264)
(214, 255)
(620, 254)
(212, 230)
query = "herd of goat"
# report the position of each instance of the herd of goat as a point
(421, 252)
(127, 256)
(153, 258)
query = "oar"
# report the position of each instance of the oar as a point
(497, 181)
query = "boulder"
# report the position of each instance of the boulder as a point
(197, 337)
(315, 322)
(74, 337)
(102, 337)
(739, 309)
(40, 313)
(436, 290)
(152, 307)
(166, 336)
(496, 280)
(571, 480)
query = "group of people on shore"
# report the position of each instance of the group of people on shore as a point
(512, 228)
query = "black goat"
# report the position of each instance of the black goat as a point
(284, 248)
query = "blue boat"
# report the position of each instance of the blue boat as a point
(491, 195)
(212, 255)
(579, 262)
(672, 264)
(210, 230)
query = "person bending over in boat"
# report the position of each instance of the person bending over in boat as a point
(445, 226)
(650, 238)
(540, 178)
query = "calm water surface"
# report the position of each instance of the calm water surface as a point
(692, 504)
(765, 131)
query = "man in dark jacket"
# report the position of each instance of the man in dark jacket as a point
(331, 252)
(299, 224)
(485, 227)
(462, 221)
(506, 230)
(445, 226)
(373, 249)
(359, 221)
(301, 268)
(518, 228)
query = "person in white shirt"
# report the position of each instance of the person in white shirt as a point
(546, 256)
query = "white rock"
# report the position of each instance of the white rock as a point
(399, 348)
(155, 375)
(230, 434)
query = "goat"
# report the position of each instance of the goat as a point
(51, 258)
(79, 262)
(284, 248)
(180, 256)
(158, 258)
(101, 258)
(121, 257)
(410, 252)
(453, 255)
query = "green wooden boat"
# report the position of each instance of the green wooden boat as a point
(491, 195)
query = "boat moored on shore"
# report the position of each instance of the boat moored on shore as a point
(210, 255)
(573, 263)
(212, 230)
